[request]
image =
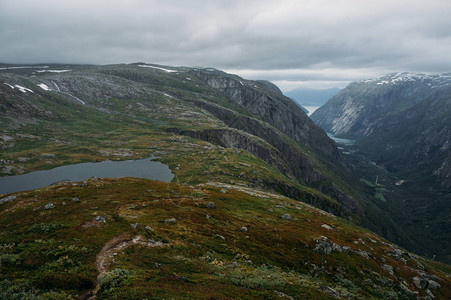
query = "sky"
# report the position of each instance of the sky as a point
(303, 43)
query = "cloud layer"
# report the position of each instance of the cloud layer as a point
(309, 42)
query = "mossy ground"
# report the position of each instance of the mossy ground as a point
(53, 251)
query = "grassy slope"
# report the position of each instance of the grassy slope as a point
(53, 251)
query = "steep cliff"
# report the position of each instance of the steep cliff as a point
(355, 110)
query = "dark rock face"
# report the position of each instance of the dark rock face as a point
(274, 108)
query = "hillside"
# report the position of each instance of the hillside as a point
(354, 111)
(135, 238)
(402, 127)
(248, 164)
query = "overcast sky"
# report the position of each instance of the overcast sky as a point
(311, 43)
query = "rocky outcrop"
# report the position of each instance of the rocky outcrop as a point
(272, 107)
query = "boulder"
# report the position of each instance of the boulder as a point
(286, 217)
(100, 219)
(243, 229)
(49, 206)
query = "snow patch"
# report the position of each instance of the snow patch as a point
(23, 67)
(53, 71)
(44, 87)
(23, 89)
(158, 68)
(57, 87)
(9, 85)
(167, 95)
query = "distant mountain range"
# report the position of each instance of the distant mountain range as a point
(355, 110)
(308, 97)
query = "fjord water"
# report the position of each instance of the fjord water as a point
(340, 141)
(143, 168)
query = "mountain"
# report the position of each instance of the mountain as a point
(312, 97)
(262, 203)
(354, 111)
(401, 123)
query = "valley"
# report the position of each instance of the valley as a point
(401, 124)
(262, 202)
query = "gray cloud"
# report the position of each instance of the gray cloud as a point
(310, 42)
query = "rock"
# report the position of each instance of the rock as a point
(75, 199)
(429, 293)
(148, 228)
(64, 203)
(171, 220)
(49, 206)
(420, 283)
(433, 285)
(363, 253)
(23, 159)
(346, 249)
(84, 184)
(405, 289)
(220, 236)
(135, 225)
(47, 155)
(210, 205)
(243, 229)
(287, 217)
(207, 216)
(329, 290)
(323, 247)
(7, 199)
(388, 268)
(326, 226)
(223, 191)
(100, 219)
(283, 295)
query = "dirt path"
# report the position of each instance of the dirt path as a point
(105, 257)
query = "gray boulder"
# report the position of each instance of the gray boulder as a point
(287, 217)
(100, 219)
(49, 206)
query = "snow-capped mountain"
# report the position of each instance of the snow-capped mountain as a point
(354, 111)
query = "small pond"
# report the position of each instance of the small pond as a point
(143, 168)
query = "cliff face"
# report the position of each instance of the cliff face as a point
(355, 111)
(274, 108)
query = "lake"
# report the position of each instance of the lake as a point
(340, 140)
(142, 168)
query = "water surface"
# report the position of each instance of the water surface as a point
(143, 168)
(340, 141)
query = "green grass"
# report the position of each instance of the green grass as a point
(54, 251)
